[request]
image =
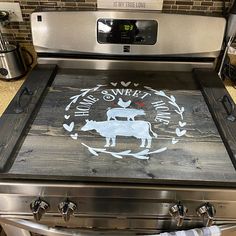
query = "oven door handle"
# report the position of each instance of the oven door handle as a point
(50, 231)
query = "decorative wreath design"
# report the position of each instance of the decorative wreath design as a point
(144, 154)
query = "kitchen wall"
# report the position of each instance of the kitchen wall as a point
(20, 31)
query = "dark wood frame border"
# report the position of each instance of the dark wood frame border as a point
(13, 125)
(213, 91)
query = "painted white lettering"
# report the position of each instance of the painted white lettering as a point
(163, 117)
(136, 93)
(160, 105)
(91, 97)
(118, 91)
(128, 92)
(163, 108)
(85, 105)
(166, 122)
(162, 114)
(82, 112)
(108, 97)
(145, 94)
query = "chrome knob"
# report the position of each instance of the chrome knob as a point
(67, 208)
(38, 208)
(178, 211)
(207, 211)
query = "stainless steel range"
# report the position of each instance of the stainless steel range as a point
(123, 127)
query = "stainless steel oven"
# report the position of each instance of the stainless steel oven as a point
(122, 128)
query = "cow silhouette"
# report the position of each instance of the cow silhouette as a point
(111, 129)
(124, 112)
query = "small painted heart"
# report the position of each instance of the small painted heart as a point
(182, 124)
(174, 141)
(67, 117)
(180, 132)
(136, 85)
(74, 136)
(125, 84)
(113, 84)
(69, 127)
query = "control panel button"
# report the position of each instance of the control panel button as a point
(38, 208)
(67, 208)
(3, 71)
(207, 211)
(178, 211)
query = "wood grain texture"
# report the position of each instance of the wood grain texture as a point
(13, 125)
(213, 92)
(48, 152)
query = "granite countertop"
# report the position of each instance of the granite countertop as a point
(9, 88)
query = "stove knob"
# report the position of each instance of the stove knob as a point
(178, 211)
(38, 208)
(208, 211)
(67, 208)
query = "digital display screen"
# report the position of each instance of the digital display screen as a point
(127, 27)
(116, 31)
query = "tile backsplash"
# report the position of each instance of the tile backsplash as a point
(20, 31)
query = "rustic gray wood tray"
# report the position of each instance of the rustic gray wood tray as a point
(137, 127)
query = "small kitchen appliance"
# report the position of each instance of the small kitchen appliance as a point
(12, 64)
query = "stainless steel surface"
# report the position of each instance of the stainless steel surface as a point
(207, 212)
(12, 64)
(67, 208)
(177, 34)
(229, 42)
(125, 65)
(178, 211)
(121, 206)
(231, 26)
(2, 42)
(38, 208)
(14, 231)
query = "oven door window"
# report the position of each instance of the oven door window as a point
(114, 31)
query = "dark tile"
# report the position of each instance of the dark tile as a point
(184, 2)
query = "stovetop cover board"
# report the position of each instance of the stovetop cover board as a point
(115, 126)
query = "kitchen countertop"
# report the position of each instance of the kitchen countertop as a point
(9, 88)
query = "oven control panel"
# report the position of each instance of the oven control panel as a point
(127, 31)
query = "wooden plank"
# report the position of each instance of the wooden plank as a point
(63, 157)
(197, 114)
(12, 125)
(48, 152)
(213, 89)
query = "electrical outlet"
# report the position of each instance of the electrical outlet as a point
(14, 10)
